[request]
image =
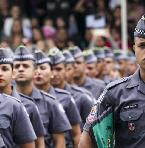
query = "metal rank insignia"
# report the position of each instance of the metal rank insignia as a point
(131, 126)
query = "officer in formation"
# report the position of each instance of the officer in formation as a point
(82, 101)
(65, 99)
(42, 81)
(54, 119)
(120, 110)
(91, 63)
(80, 78)
(13, 115)
(6, 69)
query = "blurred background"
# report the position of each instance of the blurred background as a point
(63, 23)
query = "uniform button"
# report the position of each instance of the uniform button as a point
(129, 117)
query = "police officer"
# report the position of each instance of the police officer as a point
(83, 102)
(15, 127)
(131, 63)
(65, 98)
(109, 73)
(99, 53)
(125, 99)
(91, 60)
(54, 119)
(80, 78)
(121, 59)
(69, 68)
(5, 87)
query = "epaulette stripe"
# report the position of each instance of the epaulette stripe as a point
(25, 96)
(47, 94)
(12, 97)
(114, 83)
(77, 89)
(62, 91)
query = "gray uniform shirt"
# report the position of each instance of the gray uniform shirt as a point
(127, 99)
(83, 103)
(95, 86)
(52, 115)
(15, 126)
(32, 111)
(68, 103)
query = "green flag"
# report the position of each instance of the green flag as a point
(103, 130)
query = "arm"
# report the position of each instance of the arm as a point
(28, 145)
(76, 134)
(85, 141)
(39, 142)
(59, 140)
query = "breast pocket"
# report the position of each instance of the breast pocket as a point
(132, 122)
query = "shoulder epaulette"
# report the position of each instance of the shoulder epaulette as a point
(25, 96)
(116, 82)
(12, 97)
(47, 94)
(62, 91)
(77, 89)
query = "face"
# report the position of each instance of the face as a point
(100, 66)
(122, 64)
(42, 74)
(58, 75)
(69, 72)
(91, 70)
(109, 65)
(23, 71)
(79, 68)
(131, 67)
(139, 49)
(5, 75)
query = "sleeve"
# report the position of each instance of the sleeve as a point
(72, 112)
(58, 120)
(23, 131)
(86, 107)
(100, 122)
(36, 121)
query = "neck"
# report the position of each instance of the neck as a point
(142, 74)
(25, 89)
(7, 90)
(62, 85)
(44, 87)
(80, 81)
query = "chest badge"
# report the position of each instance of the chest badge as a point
(131, 126)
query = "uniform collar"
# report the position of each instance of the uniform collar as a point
(136, 81)
(67, 87)
(52, 91)
(15, 93)
(88, 82)
(36, 94)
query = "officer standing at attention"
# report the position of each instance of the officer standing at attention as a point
(6, 71)
(91, 60)
(54, 119)
(83, 102)
(126, 99)
(16, 130)
(42, 81)
(65, 98)
(80, 77)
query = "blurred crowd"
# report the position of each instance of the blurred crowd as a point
(64, 23)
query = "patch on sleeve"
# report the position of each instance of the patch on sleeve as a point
(92, 116)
